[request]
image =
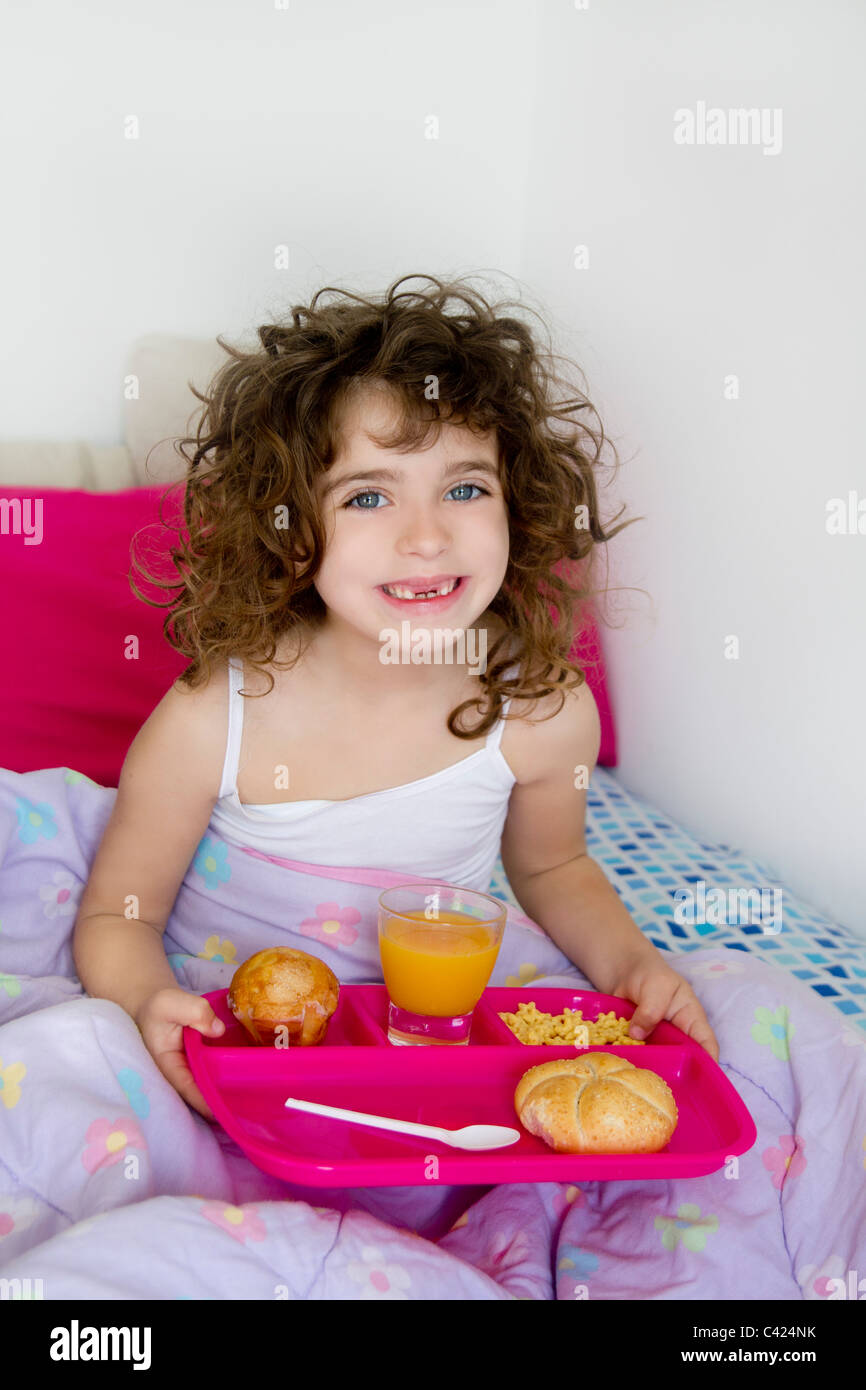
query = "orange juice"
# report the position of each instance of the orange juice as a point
(439, 967)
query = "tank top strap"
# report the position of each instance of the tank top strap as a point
(235, 728)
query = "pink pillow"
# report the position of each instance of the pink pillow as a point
(586, 651)
(72, 696)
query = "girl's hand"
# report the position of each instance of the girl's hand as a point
(161, 1019)
(660, 993)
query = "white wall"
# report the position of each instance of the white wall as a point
(259, 128)
(306, 127)
(704, 261)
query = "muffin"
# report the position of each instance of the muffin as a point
(284, 997)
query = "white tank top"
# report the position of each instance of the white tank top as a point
(447, 826)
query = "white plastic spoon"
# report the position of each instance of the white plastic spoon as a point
(470, 1137)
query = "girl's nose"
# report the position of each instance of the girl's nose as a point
(424, 532)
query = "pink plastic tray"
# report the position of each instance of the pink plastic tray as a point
(246, 1085)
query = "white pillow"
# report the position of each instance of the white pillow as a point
(162, 364)
(72, 463)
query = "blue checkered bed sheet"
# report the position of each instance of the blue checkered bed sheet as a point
(648, 858)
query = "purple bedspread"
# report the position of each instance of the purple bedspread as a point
(111, 1187)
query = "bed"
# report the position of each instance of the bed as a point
(98, 1154)
(649, 858)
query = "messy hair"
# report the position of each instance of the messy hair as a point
(270, 427)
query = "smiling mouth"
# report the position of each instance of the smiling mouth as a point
(403, 591)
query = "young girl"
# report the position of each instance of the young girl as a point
(370, 451)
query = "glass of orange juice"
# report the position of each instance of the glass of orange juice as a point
(438, 945)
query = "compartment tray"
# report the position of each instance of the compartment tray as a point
(246, 1085)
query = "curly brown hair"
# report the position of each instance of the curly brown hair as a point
(270, 427)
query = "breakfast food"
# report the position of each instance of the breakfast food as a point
(284, 997)
(533, 1026)
(596, 1104)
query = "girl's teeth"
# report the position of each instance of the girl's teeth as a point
(398, 591)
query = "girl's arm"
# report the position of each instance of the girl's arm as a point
(582, 913)
(168, 786)
(543, 846)
(566, 892)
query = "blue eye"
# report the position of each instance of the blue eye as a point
(362, 494)
(368, 492)
(476, 487)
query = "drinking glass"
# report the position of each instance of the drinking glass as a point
(438, 945)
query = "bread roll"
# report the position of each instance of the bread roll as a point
(596, 1104)
(284, 988)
